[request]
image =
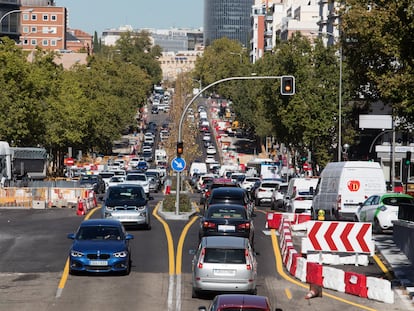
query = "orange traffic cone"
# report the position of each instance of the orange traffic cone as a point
(314, 291)
(81, 210)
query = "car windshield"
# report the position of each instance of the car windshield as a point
(88, 179)
(125, 193)
(221, 255)
(99, 233)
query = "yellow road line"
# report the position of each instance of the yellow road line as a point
(280, 270)
(65, 273)
(170, 242)
(181, 243)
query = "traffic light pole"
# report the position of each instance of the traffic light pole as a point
(180, 125)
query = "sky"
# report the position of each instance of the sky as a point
(99, 15)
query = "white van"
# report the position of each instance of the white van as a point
(343, 186)
(198, 168)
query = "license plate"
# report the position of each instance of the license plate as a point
(98, 263)
(226, 228)
(224, 272)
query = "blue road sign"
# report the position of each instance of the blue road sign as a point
(178, 164)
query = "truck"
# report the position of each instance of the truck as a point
(22, 163)
(160, 156)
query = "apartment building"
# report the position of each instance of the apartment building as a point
(9, 18)
(44, 27)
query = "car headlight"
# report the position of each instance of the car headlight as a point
(74, 253)
(122, 254)
(141, 208)
(109, 208)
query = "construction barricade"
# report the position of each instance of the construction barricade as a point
(320, 276)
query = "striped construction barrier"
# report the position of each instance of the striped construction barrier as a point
(329, 277)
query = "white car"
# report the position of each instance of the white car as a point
(249, 182)
(210, 158)
(277, 202)
(264, 192)
(207, 136)
(211, 150)
(300, 202)
(138, 179)
(116, 180)
(382, 209)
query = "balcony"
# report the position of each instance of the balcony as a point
(268, 33)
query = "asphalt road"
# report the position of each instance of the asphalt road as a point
(34, 249)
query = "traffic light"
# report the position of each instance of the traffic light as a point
(407, 161)
(180, 148)
(287, 85)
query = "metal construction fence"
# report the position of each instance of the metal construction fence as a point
(44, 197)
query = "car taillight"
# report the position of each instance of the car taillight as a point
(262, 190)
(299, 199)
(208, 224)
(201, 259)
(248, 265)
(338, 202)
(244, 226)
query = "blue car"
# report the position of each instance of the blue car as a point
(100, 245)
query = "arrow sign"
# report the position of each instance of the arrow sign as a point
(333, 236)
(178, 164)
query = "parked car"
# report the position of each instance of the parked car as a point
(93, 182)
(100, 245)
(263, 194)
(382, 209)
(128, 204)
(227, 220)
(231, 195)
(229, 302)
(224, 264)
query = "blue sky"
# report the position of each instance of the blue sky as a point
(98, 15)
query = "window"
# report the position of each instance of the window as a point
(33, 42)
(25, 41)
(25, 29)
(34, 17)
(53, 42)
(25, 17)
(34, 30)
(53, 18)
(45, 30)
(45, 42)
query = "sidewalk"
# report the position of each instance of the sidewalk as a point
(398, 263)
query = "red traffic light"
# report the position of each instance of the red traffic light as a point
(287, 85)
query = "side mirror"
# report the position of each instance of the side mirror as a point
(71, 236)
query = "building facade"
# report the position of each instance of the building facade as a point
(10, 22)
(227, 18)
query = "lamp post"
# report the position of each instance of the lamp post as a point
(339, 147)
(183, 114)
(13, 11)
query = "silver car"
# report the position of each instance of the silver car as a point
(224, 264)
(127, 203)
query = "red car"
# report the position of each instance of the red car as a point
(238, 302)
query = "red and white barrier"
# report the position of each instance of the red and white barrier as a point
(325, 276)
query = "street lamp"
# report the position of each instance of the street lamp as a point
(339, 147)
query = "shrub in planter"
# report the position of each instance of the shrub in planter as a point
(169, 203)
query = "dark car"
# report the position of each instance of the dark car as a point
(94, 182)
(227, 219)
(230, 302)
(154, 110)
(231, 195)
(100, 245)
(142, 166)
(216, 183)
